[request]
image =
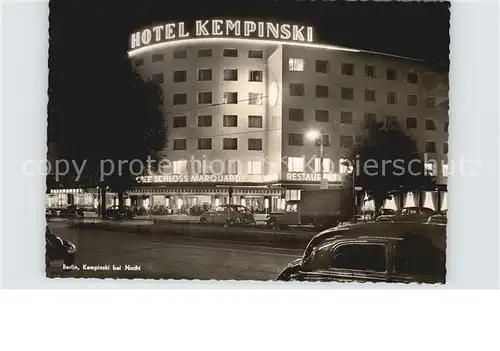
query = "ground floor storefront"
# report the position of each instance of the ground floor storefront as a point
(260, 198)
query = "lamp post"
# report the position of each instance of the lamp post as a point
(315, 135)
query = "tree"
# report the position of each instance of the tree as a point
(112, 126)
(386, 163)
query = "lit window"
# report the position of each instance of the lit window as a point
(296, 64)
(292, 195)
(254, 167)
(327, 165)
(232, 167)
(295, 164)
(445, 170)
(345, 166)
(430, 168)
(180, 167)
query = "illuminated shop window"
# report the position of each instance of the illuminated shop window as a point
(296, 64)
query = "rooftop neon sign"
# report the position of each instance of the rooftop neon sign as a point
(221, 28)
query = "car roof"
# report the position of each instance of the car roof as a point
(367, 230)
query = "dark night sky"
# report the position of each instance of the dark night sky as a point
(88, 36)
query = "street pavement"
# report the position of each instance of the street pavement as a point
(163, 257)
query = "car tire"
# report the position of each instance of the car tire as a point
(203, 220)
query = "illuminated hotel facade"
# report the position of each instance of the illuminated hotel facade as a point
(240, 97)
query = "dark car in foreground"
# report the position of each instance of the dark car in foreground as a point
(402, 252)
(114, 212)
(71, 211)
(57, 249)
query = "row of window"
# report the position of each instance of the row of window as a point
(298, 139)
(348, 69)
(205, 75)
(183, 53)
(227, 144)
(346, 117)
(228, 98)
(346, 93)
(254, 121)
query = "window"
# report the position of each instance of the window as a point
(346, 93)
(430, 102)
(326, 140)
(446, 126)
(321, 91)
(230, 74)
(430, 146)
(392, 74)
(139, 62)
(204, 74)
(157, 57)
(392, 98)
(180, 144)
(204, 52)
(416, 255)
(204, 120)
(255, 54)
(445, 148)
(232, 167)
(295, 164)
(254, 121)
(321, 66)
(346, 140)
(254, 99)
(295, 139)
(347, 69)
(445, 170)
(179, 167)
(391, 121)
(412, 100)
(411, 122)
(205, 144)
(180, 54)
(345, 166)
(430, 168)
(370, 95)
(230, 98)
(295, 64)
(296, 114)
(370, 71)
(297, 89)
(230, 121)
(412, 78)
(230, 53)
(255, 76)
(254, 168)
(255, 144)
(370, 117)
(430, 124)
(205, 97)
(346, 117)
(364, 257)
(180, 76)
(157, 78)
(327, 165)
(322, 116)
(179, 121)
(230, 144)
(180, 99)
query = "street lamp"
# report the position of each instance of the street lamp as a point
(315, 135)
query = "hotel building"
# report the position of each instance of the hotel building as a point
(238, 110)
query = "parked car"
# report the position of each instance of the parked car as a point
(401, 252)
(228, 214)
(57, 249)
(71, 211)
(419, 214)
(114, 212)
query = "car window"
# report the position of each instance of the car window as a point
(219, 209)
(292, 208)
(360, 256)
(241, 209)
(416, 255)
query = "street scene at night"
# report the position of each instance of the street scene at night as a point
(297, 142)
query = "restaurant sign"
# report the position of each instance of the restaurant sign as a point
(156, 34)
(311, 177)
